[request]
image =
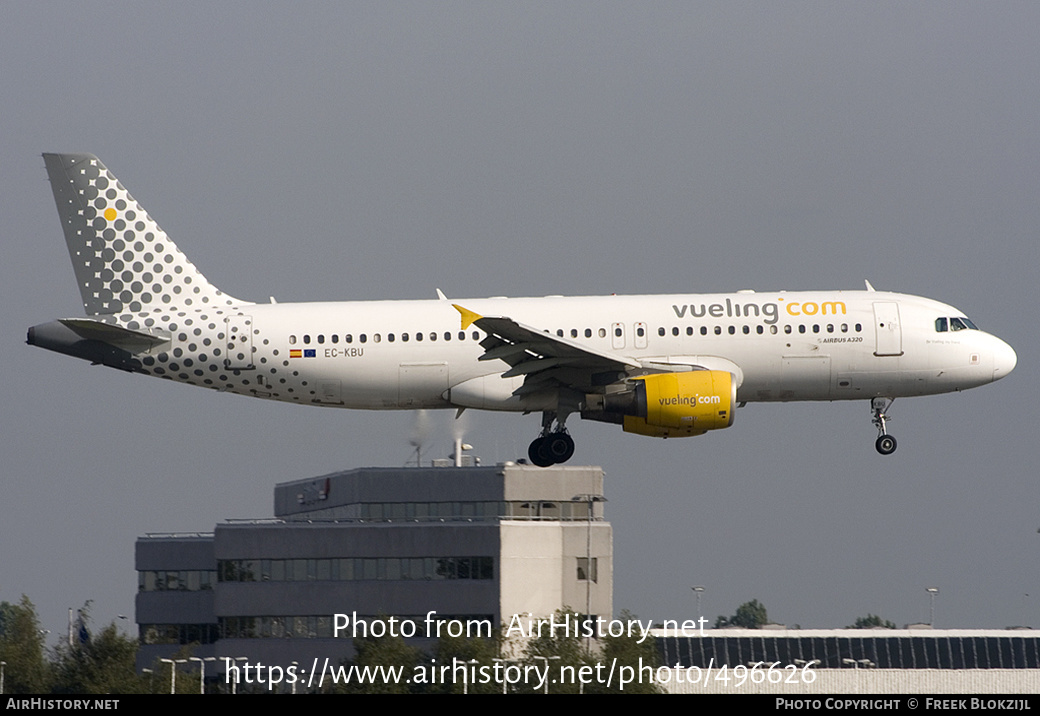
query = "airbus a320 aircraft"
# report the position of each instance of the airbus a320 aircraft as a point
(664, 366)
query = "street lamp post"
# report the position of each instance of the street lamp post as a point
(234, 684)
(932, 591)
(506, 662)
(202, 670)
(173, 671)
(698, 591)
(546, 660)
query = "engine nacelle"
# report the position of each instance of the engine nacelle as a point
(667, 405)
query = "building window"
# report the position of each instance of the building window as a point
(185, 580)
(354, 568)
(588, 569)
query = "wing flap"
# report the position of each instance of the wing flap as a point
(546, 361)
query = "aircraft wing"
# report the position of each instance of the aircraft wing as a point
(545, 359)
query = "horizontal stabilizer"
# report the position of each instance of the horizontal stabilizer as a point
(133, 341)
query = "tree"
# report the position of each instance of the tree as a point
(450, 651)
(103, 663)
(626, 651)
(872, 621)
(22, 647)
(750, 615)
(378, 656)
(563, 648)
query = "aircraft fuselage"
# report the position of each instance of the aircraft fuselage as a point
(660, 365)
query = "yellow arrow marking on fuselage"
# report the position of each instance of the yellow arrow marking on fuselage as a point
(468, 316)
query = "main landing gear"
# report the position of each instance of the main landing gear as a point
(552, 447)
(885, 444)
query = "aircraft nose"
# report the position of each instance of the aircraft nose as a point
(1004, 360)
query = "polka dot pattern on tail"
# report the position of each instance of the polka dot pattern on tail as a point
(123, 260)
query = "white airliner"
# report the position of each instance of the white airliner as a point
(664, 366)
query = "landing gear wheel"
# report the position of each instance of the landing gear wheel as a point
(886, 444)
(538, 452)
(561, 447)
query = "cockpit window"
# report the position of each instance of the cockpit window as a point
(956, 323)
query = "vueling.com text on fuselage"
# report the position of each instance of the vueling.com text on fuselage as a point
(771, 311)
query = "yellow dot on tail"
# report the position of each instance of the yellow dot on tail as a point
(110, 214)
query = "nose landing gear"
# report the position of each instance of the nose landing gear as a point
(885, 443)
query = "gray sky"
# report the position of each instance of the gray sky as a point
(348, 151)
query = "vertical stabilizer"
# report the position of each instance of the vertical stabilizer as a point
(124, 262)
